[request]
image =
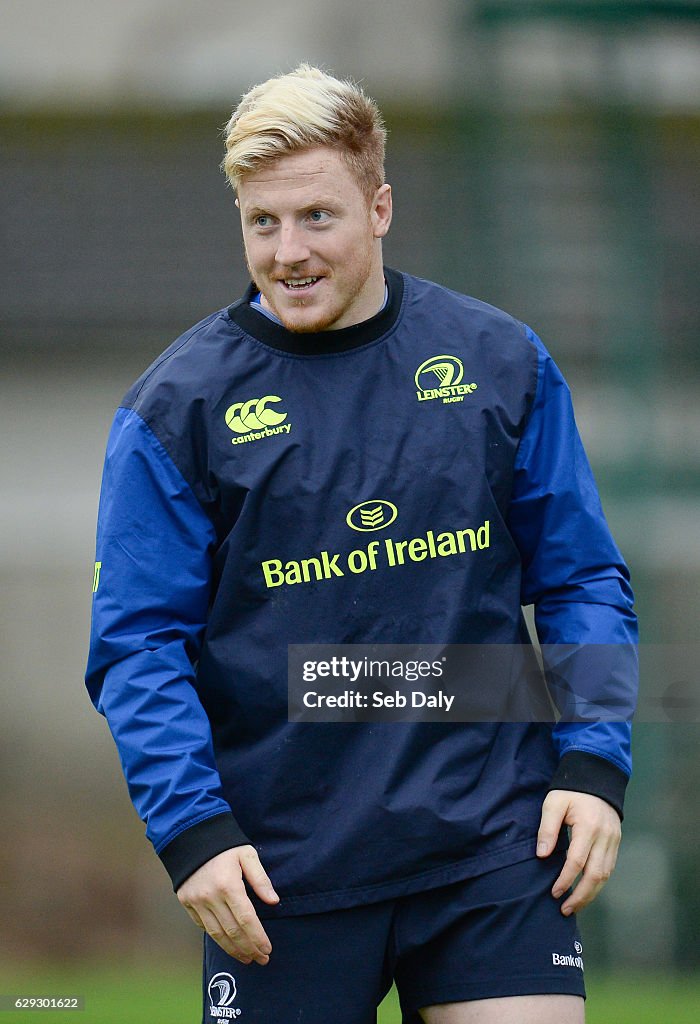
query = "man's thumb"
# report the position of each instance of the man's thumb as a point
(553, 811)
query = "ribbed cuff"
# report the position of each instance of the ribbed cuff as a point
(198, 844)
(587, 773)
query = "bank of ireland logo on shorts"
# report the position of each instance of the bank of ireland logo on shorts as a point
(569, 959)
(222, 992)
(441, 377)
(372, 515)
(256, 418)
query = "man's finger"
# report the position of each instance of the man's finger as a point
(240, 912)
(244, 930)
(576, 858)
(598, 869)
(584, 893)
(554, 811)
(217, 932)
(194, 916)
(256, 876)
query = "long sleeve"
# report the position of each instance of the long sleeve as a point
(152, 587)
(574, 575)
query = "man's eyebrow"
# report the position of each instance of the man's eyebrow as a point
(319, 203)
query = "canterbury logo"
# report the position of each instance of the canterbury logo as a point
(371, 515)
(447, 371)
(254, 415)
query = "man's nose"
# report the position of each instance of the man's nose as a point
(292, 246)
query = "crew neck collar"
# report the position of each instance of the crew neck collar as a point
(321, 342)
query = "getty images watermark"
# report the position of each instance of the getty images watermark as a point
(492, 683)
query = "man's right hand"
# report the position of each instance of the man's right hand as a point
(216, 900)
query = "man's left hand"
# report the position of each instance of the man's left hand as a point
(595, 839)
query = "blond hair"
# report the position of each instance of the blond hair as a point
(300, 110)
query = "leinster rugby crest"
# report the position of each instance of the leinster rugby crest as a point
(222, 993)
(441, 377)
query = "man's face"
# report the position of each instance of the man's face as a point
(313, 240)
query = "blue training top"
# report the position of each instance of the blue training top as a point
(231, 468)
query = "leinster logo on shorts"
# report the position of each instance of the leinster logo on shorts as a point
(256, 418)
(222, 992)
(441, 377)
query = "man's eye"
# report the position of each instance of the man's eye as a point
(318, 216)
(263, 221)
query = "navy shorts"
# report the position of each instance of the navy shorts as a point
(500, 934)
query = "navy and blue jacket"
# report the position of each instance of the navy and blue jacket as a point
(236, 457)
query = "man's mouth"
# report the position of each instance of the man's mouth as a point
(299, 284)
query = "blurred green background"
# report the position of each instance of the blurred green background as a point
(544, 157)
(158, 993)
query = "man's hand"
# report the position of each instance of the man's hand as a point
(216, 900)
(595, 838)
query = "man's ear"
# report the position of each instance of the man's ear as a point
(381, 210)
(238, 205)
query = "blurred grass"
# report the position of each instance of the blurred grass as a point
(124, 995)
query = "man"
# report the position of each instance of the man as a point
(431, 854)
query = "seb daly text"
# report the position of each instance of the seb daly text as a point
(386, 553)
